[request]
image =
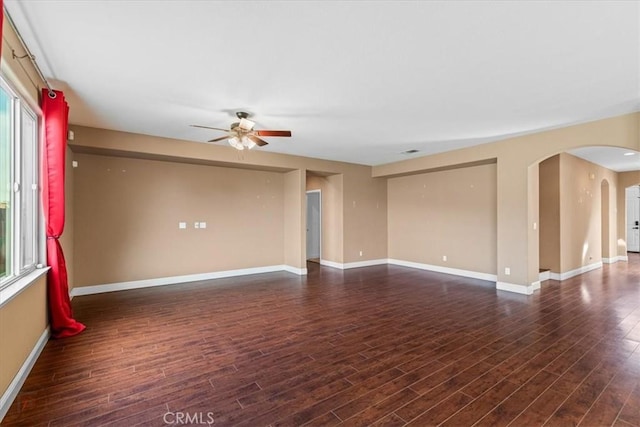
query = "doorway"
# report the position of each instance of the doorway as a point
(314, 225)
(633, 218)
(605, 237)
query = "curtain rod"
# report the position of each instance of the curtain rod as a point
(28, 53)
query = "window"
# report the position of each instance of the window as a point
(19, 195)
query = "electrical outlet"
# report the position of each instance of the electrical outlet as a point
(360, 253)
(203, 225)
(182, 225)
(507, 271)
(196, 224)
(444, 257)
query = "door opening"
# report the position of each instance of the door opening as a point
(633, 218)
(605, 236)
(314, 225)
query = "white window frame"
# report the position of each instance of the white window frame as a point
(22, 275)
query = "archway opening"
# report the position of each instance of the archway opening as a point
(605, 221)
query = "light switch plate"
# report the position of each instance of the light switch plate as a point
(203, 225)
(182, 225)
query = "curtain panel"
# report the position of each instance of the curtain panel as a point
(55, 111)
(1, 20)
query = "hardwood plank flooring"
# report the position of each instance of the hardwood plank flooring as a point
(383, 346)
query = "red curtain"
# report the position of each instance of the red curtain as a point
(1, 19)
(56, 113)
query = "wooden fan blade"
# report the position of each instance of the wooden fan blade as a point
(219, 139)
(208, 127)
(273, 132)
(258, 141)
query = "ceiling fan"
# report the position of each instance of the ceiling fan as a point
(242, 135)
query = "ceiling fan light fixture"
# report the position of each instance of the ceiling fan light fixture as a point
(235, 143)
(248, 142)
(241, 134)
(246, 124)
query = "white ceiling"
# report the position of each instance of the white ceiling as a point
(357, 81)
(616, 159)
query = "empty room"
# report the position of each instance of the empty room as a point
(287, 213)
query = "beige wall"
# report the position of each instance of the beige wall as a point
(66, 240)
(450, 213)
(516, 210)
(365, 216)
(580, 211)
(294, 234)
(550, 214)
(21, 72)
(363, 198)
(571, 219)
(359, 199)
(22, 322)
(127, 213)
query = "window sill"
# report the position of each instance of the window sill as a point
(14, 289)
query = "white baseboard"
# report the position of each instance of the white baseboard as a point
(18, 381)
(167, 281)
(446, 270)
(295, 270)
(544, 275)
(368, 263)
(615, 259)
(569, 274)
(357, 264)
(332, 264)
(519, 289)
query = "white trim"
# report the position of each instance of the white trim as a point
(18, 381)
(357, 264)
(544, 275)
(164, 281)
(11, 291)
(446, 270)
(569, 274)
(519, 289)
(615, 259)
(333, 264)
(295, 270)
(368, 263)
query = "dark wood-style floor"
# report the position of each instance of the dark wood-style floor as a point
(380, 345)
